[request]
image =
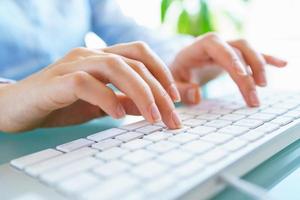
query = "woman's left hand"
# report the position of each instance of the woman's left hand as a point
(244, 64)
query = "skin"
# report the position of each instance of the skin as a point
(74, 89)
(212, 55)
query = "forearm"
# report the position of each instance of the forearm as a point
(3, 84)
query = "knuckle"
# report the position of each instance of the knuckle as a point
(78, 78)
(113, 60)
(211, 36)
(140, 67)
(163, 92)
(141, 47)
(242, 41)
(141, 44)
(146, 90)
(77, 51)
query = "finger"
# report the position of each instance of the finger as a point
(77, 53)
(80, 85)
(128, 105)
(141, 52)
(254, 59)
(76, 113)
(275, 61)
(162, 99)
(224, 55)
(189, 92)
(120, 74)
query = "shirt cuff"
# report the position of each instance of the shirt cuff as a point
(4, 80)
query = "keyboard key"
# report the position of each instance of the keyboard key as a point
(129, 136)
(34, 158)
(216, 138)
(112, 168)
(162, 146)
(183, 138)
(74, 145)
(213, 156)
(58, 161)
(112, 189)
(174, 157)
(70, 169)
(272, 110)
(234, 145)
(232, 117)
(195, 111)
(185, 116)
(160, 123)
(190, 168)
(197, 147)
(112, 153)
(247, 111)
(160, 184)
(282, 120)
(107, 134)
(136, 144)
(149, 169)
(136, 125)
(149, 129)
(267, 127)
(158, 136)
(250, 123)
(176, 131)
(107, 144)
(194, 122)
(138, 156)
(78, 183)
(208, 116)
(202, 130)
(262, 116)
(221, 111)
(218, 123)
(294, 113)
(252, 136)
(285, 105)
(234, 130)
(134, 194)
(234, 106)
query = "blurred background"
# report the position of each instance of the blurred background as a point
(270, 25)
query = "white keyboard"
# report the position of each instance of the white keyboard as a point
(148, 161)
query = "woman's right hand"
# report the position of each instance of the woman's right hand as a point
(74, 90)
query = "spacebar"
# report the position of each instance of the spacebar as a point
(37, 169)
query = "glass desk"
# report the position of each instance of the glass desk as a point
(280, 175)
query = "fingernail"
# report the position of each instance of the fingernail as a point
(262, 79)
(253, 98)
(191, 95)
(240, 68)
(174, 93)
(120, 111)
(154, 112)
(176, 119)
(281, 61)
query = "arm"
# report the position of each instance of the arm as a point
(74, 90)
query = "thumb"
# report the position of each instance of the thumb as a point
(189, 92)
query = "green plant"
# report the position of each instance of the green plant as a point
(202, 19)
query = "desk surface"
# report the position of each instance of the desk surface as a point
(280, 174)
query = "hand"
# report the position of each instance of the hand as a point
(74, 90)
(245, 66)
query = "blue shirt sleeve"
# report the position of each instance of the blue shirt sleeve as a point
(108, 21)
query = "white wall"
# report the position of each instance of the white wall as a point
(271, 26)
